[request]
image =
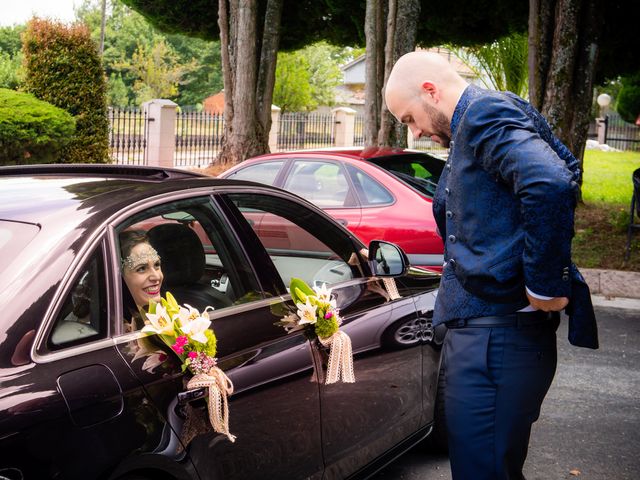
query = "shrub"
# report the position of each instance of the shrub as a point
(31, 131)
(63, 67)
(628, 105)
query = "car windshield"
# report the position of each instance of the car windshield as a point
(14, 236)
(421, 172)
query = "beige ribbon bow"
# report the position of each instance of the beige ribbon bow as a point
(220, 387)
(340, 358)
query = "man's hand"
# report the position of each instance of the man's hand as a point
(553, 305)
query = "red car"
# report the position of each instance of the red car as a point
(377, 193)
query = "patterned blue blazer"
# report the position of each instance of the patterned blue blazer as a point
(505, 210)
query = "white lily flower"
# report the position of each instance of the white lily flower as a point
(307, 313)
(160, 322)
(196, 327)
(323, 294)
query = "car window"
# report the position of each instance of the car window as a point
(83, 316)
(265, 172)
(420, 172)
(200, 262)
(300, 242)
(370, 191)
(322, 183)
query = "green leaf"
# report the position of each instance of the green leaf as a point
(299, 290)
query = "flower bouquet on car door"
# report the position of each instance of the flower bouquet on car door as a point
(318, 317)
(186, 331)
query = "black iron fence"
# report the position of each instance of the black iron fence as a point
(198, 138)
(128, 131)
(199, 135)
(620, 134)
(300, 130)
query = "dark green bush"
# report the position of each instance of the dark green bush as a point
(31, 130)
(628, 104)
(63, 67)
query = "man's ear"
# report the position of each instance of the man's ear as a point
(431, 90)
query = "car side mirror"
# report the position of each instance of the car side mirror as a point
(387, 259)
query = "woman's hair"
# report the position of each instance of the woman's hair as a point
(129, 239)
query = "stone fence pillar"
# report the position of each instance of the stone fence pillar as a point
(601, 125)
(344, 122)
(161, 138)
(275, 128)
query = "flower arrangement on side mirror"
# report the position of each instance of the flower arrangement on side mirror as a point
(318, 317)
(186, 331)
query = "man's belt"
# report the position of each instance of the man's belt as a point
(519, 319)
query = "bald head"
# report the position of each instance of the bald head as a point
(413, 71)
(422, 92)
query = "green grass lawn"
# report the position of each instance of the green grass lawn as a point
(601, 222)
(607, 176)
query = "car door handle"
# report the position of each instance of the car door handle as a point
(191, 396)
(342, 221)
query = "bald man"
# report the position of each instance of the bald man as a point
(505, 210)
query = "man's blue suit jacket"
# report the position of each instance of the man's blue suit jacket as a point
(505, 210)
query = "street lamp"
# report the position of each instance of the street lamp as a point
(603, 100)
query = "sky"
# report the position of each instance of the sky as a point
(19, 11)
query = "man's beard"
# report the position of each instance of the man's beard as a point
(441, 125)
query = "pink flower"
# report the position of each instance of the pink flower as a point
(178, 349)
(328, 315)
(182, 340)
(193, 354)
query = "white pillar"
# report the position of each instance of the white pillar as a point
(601, 129)
(275, 128)
(344, 121)
(161, 138)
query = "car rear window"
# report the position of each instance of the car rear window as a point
(421, 172)
(14, 236)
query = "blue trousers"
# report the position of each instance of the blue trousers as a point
(496, 379)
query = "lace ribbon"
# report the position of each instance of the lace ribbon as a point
(220, 387)
(340, 358)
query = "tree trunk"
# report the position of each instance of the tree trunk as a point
(245, 134)
(371, 95)
(404, 23)
(564, 40)
(268, 59)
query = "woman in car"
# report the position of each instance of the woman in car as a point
(141, 272)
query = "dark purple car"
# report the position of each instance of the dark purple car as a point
(84, 395)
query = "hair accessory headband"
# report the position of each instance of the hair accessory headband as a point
(151, 255)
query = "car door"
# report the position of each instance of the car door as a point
(363, 420)
(325, 184)
(274, 406)
(76, 411)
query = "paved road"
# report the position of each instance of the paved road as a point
(590, 420)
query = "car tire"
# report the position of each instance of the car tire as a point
(437, 441)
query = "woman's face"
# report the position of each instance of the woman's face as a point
(142, 274)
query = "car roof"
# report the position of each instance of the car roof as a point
(353, 152)
(36, 193)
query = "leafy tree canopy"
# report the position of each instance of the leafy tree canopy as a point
(129, 34)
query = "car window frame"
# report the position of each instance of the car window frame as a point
(250, 235)
(342, 166)
(40, 352)
(209, 192)
(277, 180)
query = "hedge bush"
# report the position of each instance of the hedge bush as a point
(628, 104)
(63, 67)
(31, 131)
